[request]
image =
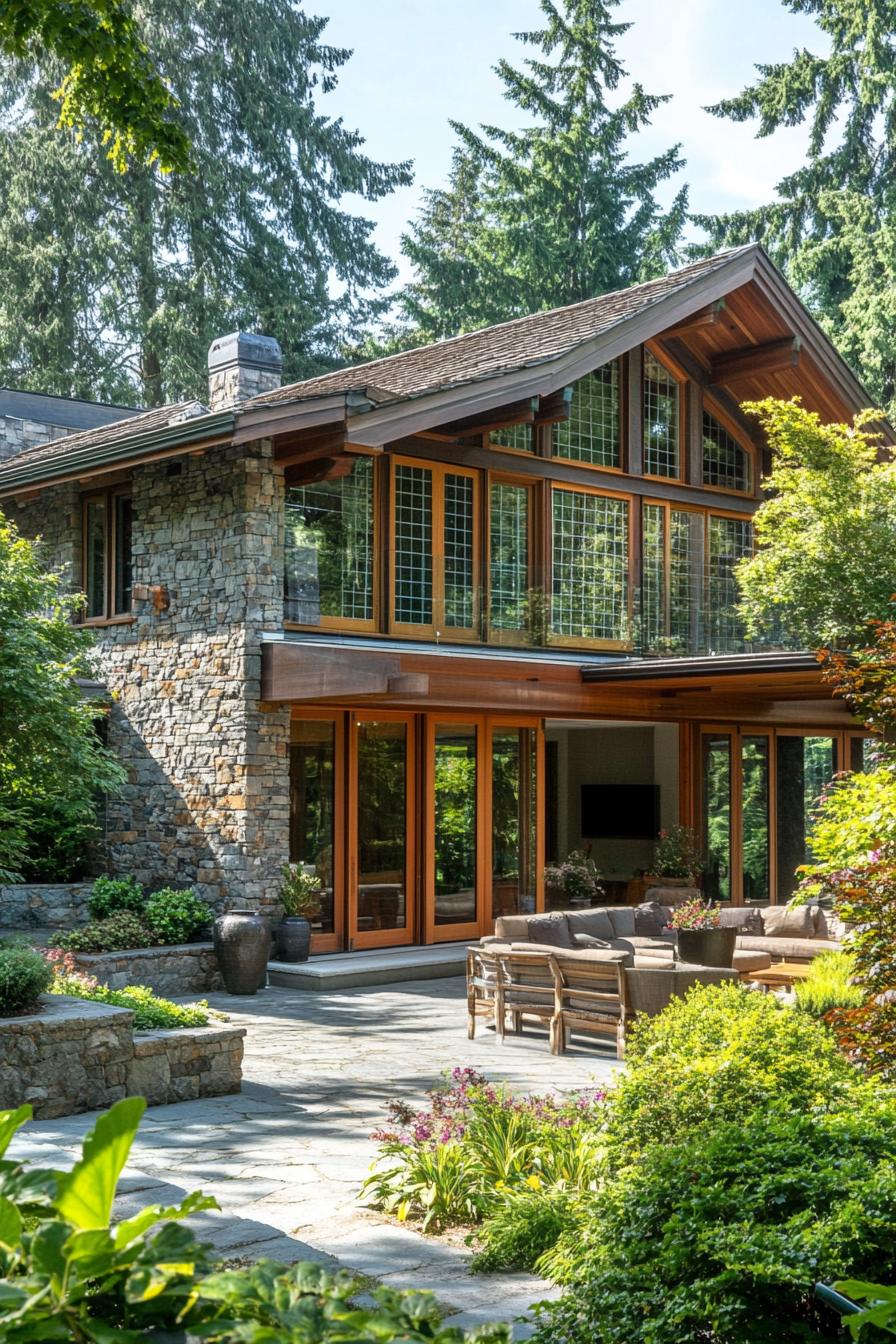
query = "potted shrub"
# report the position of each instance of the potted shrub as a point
(300, 899)
(678, 859)
(573, 883)
(701, 939)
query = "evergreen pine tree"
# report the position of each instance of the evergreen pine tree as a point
(113, 284)
(831, 227)
(553, 213)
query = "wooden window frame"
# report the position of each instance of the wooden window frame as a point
(684, 387)
(533, 487)
(352, 623)
(728, 424)
(436, 629)
(569, 641)
(525, 454)
(669, 507)
(621, 468)
(108, 498)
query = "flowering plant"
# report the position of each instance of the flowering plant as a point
(695, 914)
(576, 877)
(678, 853)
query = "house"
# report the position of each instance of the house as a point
(428, 622)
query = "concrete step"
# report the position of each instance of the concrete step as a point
(377, 966)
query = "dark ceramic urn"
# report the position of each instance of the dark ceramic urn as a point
(707, 947)
(242, 941)
(293, 938)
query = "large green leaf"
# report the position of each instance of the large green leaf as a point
(10, 1225)
(86, 1194)
(133, 1228)
(10, 1121)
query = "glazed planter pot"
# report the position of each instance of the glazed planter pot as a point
(293, 938)
(242, 941)
(707, 947)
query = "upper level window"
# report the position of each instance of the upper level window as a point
(107, 555)
(671, 578)
(435, 542)
(329, 549)
(509, 556)
(518, 437)
(728, 541)
(662, 419)
(725, 463)
(591, 434)
(590, 566)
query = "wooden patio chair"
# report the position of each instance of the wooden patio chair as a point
(592, 997)
(482, 987)
(525, 989)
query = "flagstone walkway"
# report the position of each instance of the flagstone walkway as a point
(285, 1158)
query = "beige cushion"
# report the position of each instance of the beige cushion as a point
(744, 961)
(512, 926)
(743, 917)
(596, 923)
(788, 949)
(622, 917)
(779, 921)
(650, 919)
(552, 930)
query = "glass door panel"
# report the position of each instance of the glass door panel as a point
(382, 816)
(455, 827)
(805, 766)
(312, 810)
(716, 812)
(514, 806)
(755, 837)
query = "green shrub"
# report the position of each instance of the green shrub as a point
(151, 1013)
(716, 1055)
(829, 985)
(720, 1234)
(109, 895)
(176, 916)
(118, 933)
(24, 976)
(521, 1228)
(68, 1272)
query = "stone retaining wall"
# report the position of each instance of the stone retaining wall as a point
(187, 968)
(77, 1056)
(35, 905)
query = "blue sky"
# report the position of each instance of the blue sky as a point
(417, 63)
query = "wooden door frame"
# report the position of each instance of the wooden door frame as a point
(332, 942)
(355, 940)
(470, 930)
(494, 721)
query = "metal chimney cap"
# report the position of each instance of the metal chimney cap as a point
(244, 350)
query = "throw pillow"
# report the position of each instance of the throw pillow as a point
(650, 919)
(587, 940)
(780, 922)
(550, 931)
(747, 920)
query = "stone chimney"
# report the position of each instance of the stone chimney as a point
(241, 366)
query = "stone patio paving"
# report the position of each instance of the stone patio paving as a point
(285, 1158)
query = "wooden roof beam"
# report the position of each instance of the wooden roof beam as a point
(554, 407)
(753, 359)
(705, 317)
(514, 413)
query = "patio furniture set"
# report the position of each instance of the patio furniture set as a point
(593, 971)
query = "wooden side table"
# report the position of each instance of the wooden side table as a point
(783, 975)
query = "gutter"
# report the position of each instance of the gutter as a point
(722, 665)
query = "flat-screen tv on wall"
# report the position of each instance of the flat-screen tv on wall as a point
(620, 811)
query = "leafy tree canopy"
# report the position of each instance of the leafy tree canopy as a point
(51, 757)
(825, 562)
(113, 285)
(110, 80)
(831, 224)
(553, 213)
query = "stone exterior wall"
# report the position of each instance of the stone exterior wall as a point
(189, 968)
(44, 906)
(206, 803)
(77, 1056)
(16, 435)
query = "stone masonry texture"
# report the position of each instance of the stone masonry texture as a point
(189, 968)
(75, 1056)
(206, 802)
(16, 435)
(44, 905)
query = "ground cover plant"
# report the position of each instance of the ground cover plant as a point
(69, 1272)
(151, 1013)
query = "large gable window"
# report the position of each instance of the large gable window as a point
(590, 565)
(329, 550)
(662, 419)
(725, 463)
(107, 555)
(435, 539)
(728, 541)
(591, 434)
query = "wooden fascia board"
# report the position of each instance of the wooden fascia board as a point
(401, 419)
(268, 422)
(749, 361)
(101, 471)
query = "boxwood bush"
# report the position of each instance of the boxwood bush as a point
(109, 895)
(24, 976)
(176, 916)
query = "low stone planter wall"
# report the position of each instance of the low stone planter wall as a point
(188, 968)
(77, 1056)
(35, 905)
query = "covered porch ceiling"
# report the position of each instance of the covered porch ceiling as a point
(783, 689)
